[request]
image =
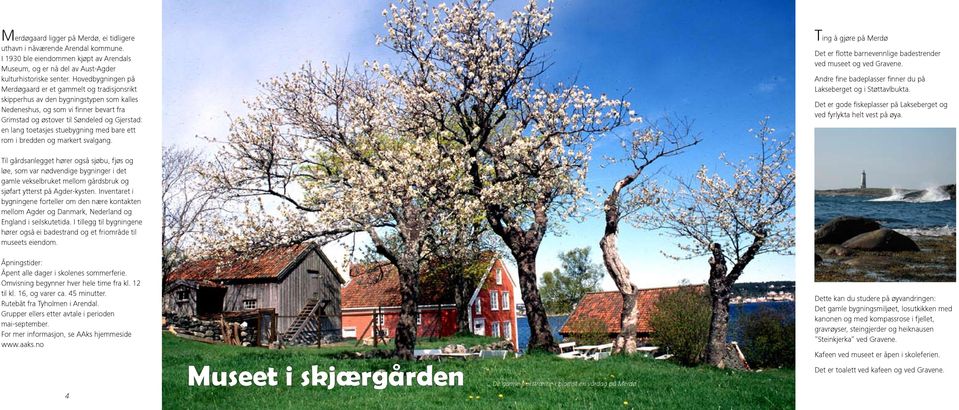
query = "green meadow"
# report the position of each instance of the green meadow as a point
(528, 382)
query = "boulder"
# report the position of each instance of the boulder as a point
(881, 240)
(949, 189)
(844, 228)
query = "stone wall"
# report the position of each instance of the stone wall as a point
(210, 329)
(207, 329)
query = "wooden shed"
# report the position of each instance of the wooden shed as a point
(298, 281)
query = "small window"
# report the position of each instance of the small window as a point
(182, 296)
(479, 326)
(419, 318)
(495, 329)
(314, 274)
(493, 300)
(380, 319)
(249, 304)
(505, 300)
(499, 276)
(479, 306)
(507, 330)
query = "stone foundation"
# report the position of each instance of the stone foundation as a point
(207, 329)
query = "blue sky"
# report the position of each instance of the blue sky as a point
(914, 158)
(723, 64)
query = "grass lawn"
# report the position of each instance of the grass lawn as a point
(532, 381)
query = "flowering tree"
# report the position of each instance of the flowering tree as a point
(185, 204)
(344, 152)
(460, 124)
(526, 146)
(734, 218)
(630, 194)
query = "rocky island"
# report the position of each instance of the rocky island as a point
(883, 192)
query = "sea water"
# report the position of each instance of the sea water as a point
(736, 312)
(930, 212)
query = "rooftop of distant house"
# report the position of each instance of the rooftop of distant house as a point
(606, 308)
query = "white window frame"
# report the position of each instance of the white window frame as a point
(248, 305)
(499, 276)
(379, 319)
(507, 330)
(495, 329)
(479, 306)
(505, 305)
(479, 323)
(183, 299)
(493, 300)
(419, 318)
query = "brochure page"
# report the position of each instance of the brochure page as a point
(478, 204)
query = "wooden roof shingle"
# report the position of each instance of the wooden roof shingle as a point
(271, 264)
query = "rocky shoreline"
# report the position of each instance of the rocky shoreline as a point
(856, 249)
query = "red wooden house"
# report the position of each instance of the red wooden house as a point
(373, 295)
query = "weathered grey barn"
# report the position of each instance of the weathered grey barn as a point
(298, 281)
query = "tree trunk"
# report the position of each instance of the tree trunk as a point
(524, 244)
(719, 291)
(406, 327)
(407, 263)
(718, 325)
(720, 288)
(540, 332)
(626, 340)
(462, 301)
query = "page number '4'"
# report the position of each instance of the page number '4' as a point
(67, 396)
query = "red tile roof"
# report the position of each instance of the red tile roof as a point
(606, 307)
(371, 285)
(267, 265)
(378, 284)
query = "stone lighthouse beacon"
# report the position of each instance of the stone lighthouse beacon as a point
(862, 182)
